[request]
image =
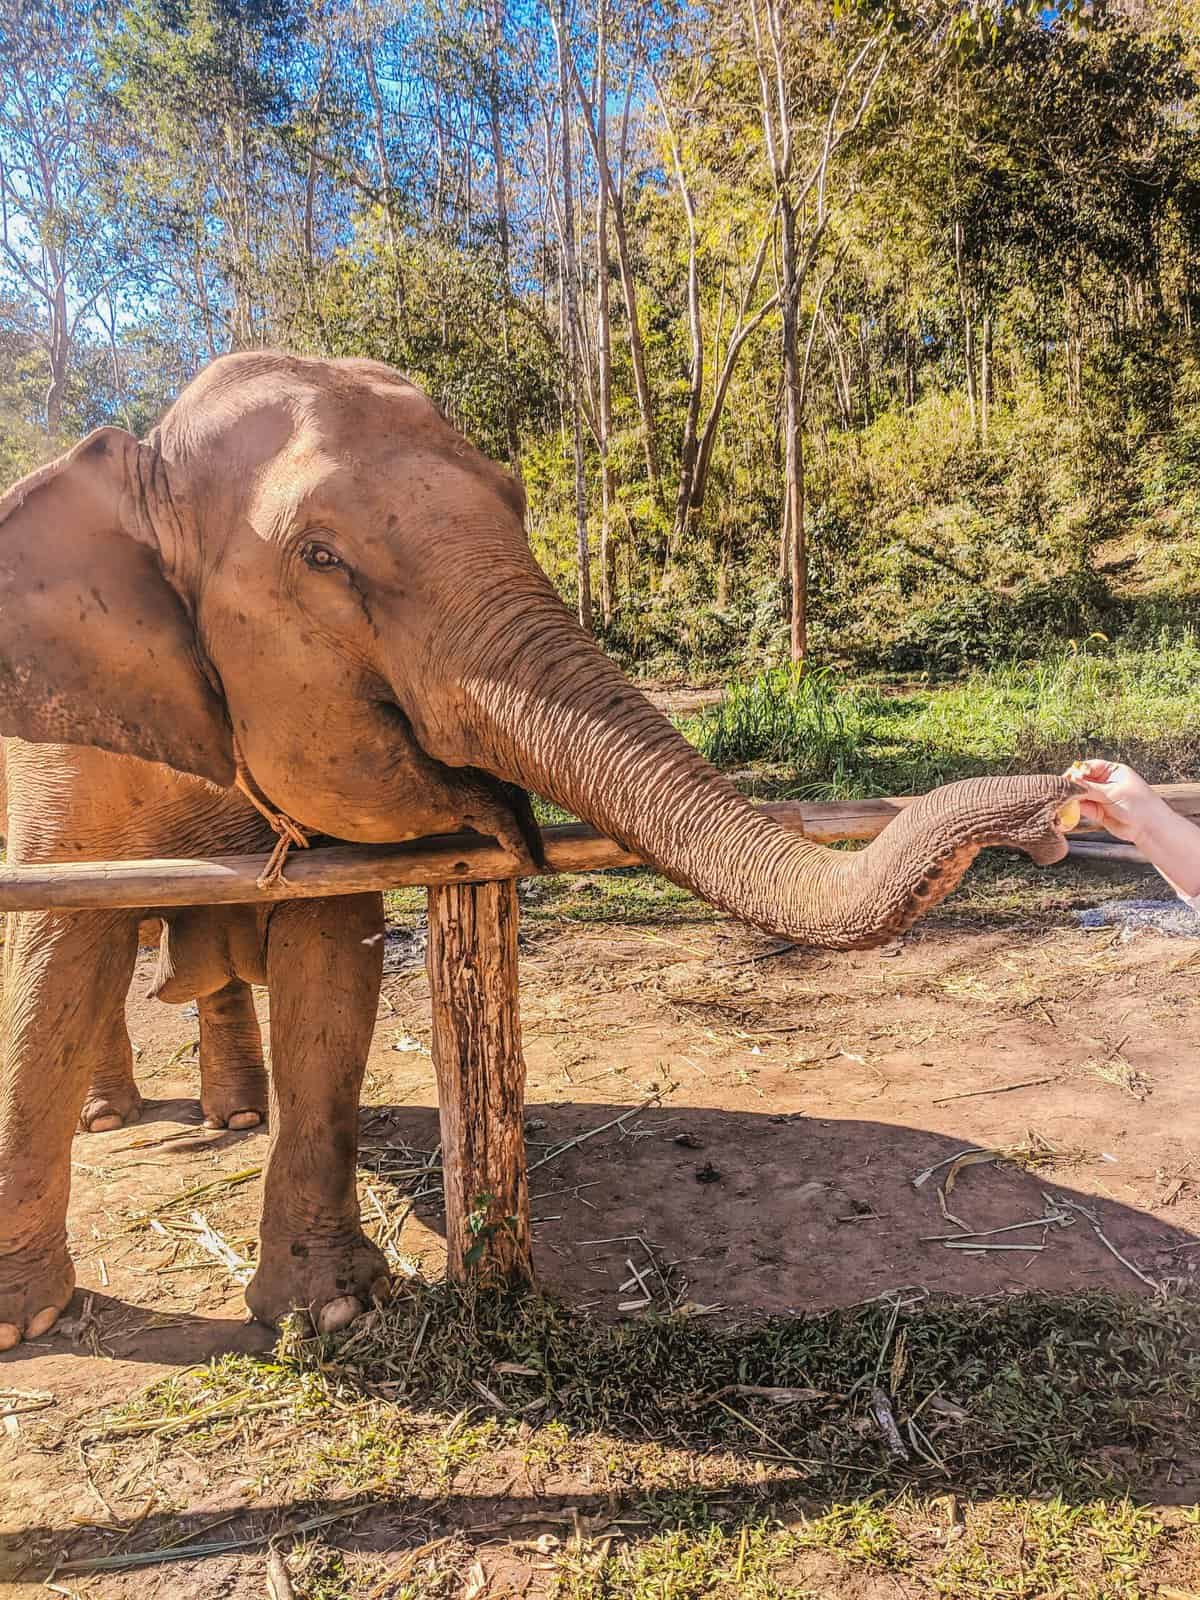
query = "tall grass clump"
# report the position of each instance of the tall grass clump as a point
(789, 716)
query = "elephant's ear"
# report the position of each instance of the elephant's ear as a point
(96, 647)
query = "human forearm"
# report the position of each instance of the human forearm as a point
(1172, 844)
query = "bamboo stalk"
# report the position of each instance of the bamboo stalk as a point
(357, 869)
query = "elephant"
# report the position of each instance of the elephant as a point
(306, 605)
(232, 1074)
(233, 1080)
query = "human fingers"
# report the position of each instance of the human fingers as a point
(1092, 770)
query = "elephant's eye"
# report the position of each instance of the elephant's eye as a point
(320, 558)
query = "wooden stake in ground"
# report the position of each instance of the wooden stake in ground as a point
(472, 963)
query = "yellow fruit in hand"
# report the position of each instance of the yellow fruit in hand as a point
(1068, 816)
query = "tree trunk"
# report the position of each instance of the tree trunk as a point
(472, 965)
(637, 352)
(985, 378)
(744, 327)
(59, 350)
(574, 331)
(593, 118)
(310, 180)
(608, 561)
(793, 445)
(498, 163)
(582, 554)
(964, 301)
(689, 448)
(385, 173)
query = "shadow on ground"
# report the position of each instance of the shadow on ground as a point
(798, 1254)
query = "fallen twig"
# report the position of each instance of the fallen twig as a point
(231, 1181)
(200, 1134)
(18, 1402)
(570, 1144)
(1105, 1240)
(279, 1585)
(763, 1434)
(238, 1405)
(969, 1244)
(1054, 1219)
(881, 1410)
(762, 955)
(211, 1242)
(963, 1158)
(777, 1396)
(1007, 1088)
(192, 1552)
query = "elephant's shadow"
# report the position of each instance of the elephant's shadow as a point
(761, 1214)
(743, 1214)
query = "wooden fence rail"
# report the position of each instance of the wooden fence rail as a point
(425, 863)
(472, 965)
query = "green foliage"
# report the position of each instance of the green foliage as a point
(1001, 418)
(432, 311)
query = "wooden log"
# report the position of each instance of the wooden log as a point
(472, 964)
(1106, 850)
(354, 869)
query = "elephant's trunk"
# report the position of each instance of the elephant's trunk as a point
(542, 707)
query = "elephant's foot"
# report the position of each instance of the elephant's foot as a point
(332, 1280)
(235, 1100)
(35, 1287)
(111, 1103)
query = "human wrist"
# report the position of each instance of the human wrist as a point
(1154, 826)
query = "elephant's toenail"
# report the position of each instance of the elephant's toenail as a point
(245, 1119)
(339, 1313)
(106, 1123)
(42, 1323)
(10, 1335)
(381, 1290)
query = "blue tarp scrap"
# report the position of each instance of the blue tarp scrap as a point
(1131, 916)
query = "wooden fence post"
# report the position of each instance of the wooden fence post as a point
(472, 963)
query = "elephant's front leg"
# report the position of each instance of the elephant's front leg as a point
(64, 1000)
(324, 963)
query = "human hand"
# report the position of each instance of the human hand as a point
(1116, 798)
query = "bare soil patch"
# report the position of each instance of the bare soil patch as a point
(764, 1112)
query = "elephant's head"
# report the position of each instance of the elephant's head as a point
(307, 575)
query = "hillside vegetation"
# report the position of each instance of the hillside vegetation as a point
(889, 308)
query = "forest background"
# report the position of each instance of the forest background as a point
(866, 332)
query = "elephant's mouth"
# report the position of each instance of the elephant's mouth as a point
(423, 798)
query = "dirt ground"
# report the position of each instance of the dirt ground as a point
(774, 1107)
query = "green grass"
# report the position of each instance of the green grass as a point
(786, 716)
(817, 736)
(1035, 1425)
(1041, 1388)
